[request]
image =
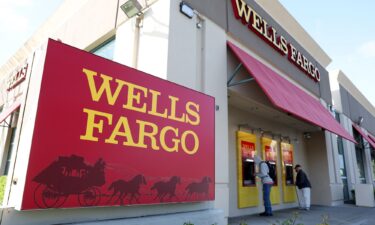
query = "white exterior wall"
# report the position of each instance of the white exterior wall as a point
(336, 184)
(25, 129)
(334, 194)
(85, 27)
(319, 165)
(197, 59)
(144, 45)
(17, 94)
(350, 157)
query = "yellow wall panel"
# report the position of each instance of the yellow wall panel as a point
(289, 189)
(246, 147)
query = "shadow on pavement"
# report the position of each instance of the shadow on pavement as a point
(335, 215)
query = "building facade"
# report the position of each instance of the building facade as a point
(266, 74)
(355, 162)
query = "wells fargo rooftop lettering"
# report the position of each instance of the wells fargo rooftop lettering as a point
(261, 28)
(143, 100)
(17, 77)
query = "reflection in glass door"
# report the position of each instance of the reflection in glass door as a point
(373, 164)
(359, 153)
(343, 174)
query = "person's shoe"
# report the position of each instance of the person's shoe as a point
(307, 209)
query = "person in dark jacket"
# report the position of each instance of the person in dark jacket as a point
(303, 188)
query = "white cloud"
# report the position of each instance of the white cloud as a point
(367, 49)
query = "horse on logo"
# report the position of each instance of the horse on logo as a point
(166, 188)
(198, 188)
(125, 188)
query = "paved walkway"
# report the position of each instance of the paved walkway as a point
(343, 215)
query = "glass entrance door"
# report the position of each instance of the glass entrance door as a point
(343, 174)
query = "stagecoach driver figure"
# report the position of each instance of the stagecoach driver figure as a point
(267, 183)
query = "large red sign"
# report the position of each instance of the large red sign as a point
(106, 134)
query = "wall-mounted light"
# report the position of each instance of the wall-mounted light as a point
(330, 107)
(131, 8)
(285, 139)
(307, 135)
(360, 120)
(186, 9)
(246, 127)
(295, 140)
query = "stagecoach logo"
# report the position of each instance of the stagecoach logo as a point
(260, 27)
(71, 177)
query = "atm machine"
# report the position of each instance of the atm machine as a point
(269, 150)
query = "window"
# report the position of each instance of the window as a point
(373, 164)
(10, 150)
(106, 49)
(359, 152)
(344, 177)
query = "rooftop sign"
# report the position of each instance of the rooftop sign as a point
(250, 18)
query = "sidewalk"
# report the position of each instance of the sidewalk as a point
(343, 215)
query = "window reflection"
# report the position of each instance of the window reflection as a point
(106, 50)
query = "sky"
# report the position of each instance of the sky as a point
(19, 19)
(343, 28)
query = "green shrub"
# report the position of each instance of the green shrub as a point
(3, 180)
(290, 221)
(188, 223)
(324, 220)
(293, 219)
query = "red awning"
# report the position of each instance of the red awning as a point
(288, 97)
(9, 111)
(367, 138)
(372, 138)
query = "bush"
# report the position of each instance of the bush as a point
(293, 220)
(3, 181)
